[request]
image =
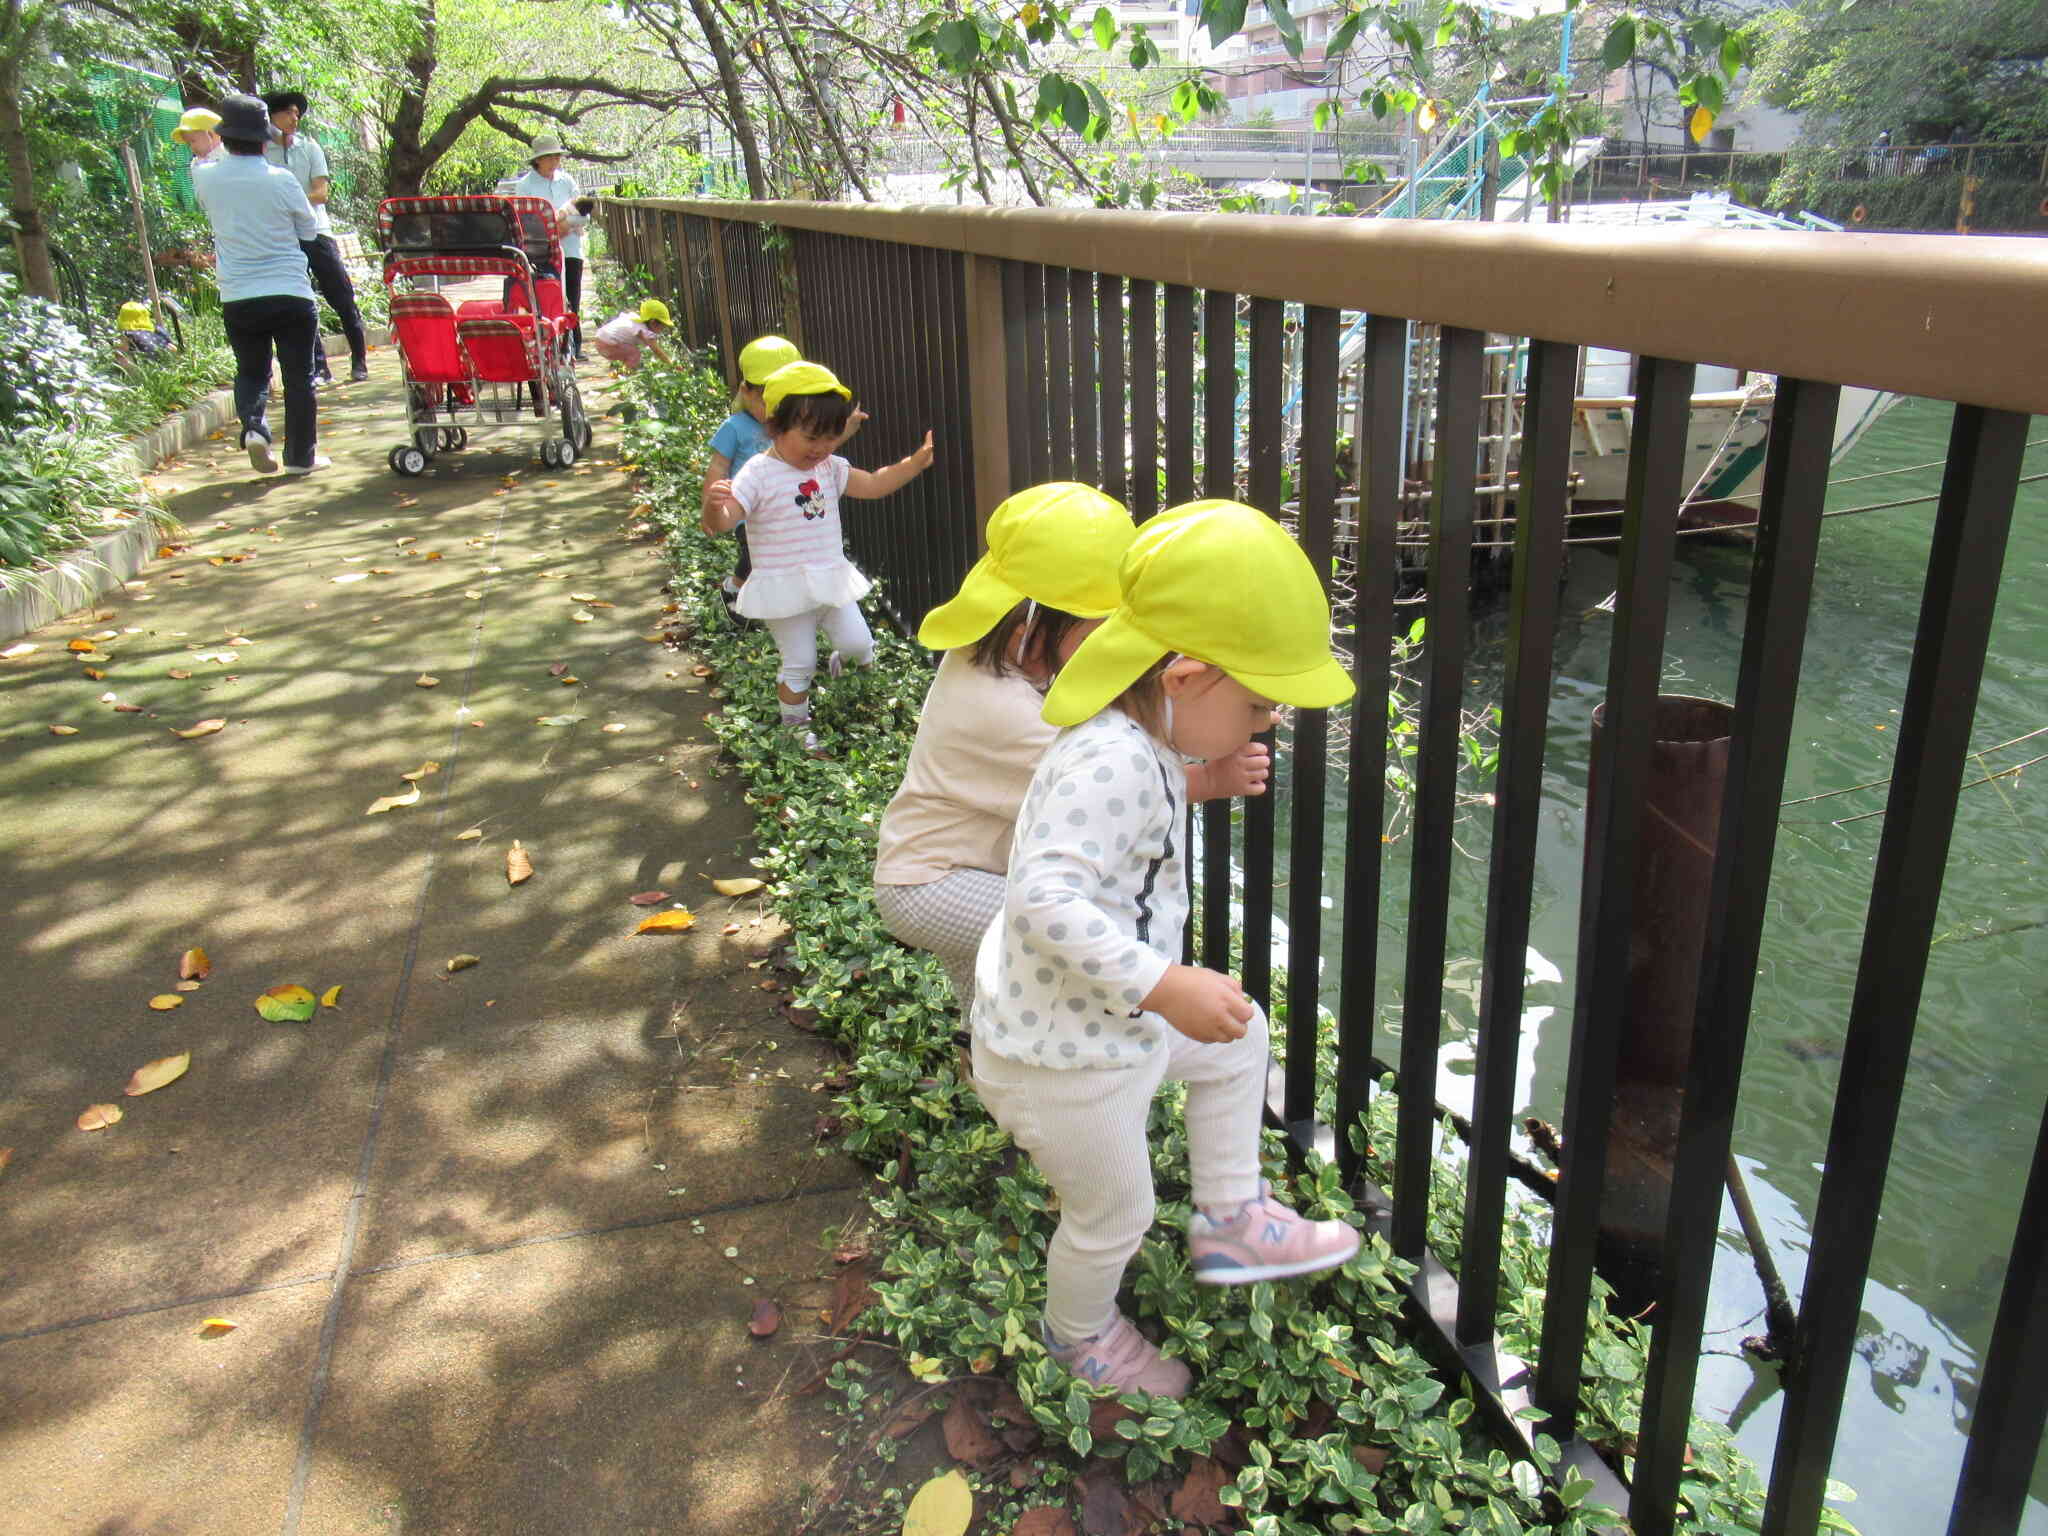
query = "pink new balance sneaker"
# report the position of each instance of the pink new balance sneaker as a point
(1123, 1358)
(1264, 1240)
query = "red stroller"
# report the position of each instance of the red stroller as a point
(492, 363)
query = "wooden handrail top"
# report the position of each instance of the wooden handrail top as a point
(1950, 317)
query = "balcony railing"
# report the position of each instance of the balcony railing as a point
(1105, 347)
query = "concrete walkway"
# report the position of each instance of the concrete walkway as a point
(486, 1235)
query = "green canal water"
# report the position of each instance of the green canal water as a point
(1979, 1076)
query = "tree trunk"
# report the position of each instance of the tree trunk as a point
(735, 101)
(406, 162)
(31, 240)
(206, 56)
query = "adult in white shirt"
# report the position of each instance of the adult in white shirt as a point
(260, 218)
(545, 178)
(198, 131)
(304, 158)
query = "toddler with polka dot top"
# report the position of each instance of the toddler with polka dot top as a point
(1080, 1009)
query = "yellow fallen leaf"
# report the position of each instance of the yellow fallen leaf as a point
(470, 836)
(472, 595)
(742, 887)
(668, 922)
(185, 986)
(582, 597)
(203, 728)
(97, 1117)
(70, 730)
(80, 645)
(331, 998)
(424, 681)
(581, 616)
(518, 867)
(179, 673)
(385, 803)
(429, 766)
(164, 1002)
(286, 1005)
(943, 1507)
(213, 1327)
(6, 1157)
(194, 966)
(570, 681)
(94, 673)
(463, 962)
(657, 635)
(154, 1075)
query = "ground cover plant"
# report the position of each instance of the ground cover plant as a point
(1312, 1411)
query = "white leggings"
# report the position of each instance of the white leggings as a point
(1086, 1131)
(796, 637)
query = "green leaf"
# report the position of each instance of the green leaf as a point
(1346, 33)
(1074, 106)
(1051, 90)
(1620, 46)
(1224, 19)
(1284, 22)
(1105, 29)
(287, 1005)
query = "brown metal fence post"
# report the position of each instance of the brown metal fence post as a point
(988, 387)
(728, 357)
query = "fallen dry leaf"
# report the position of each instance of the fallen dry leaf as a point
(1045, 1520)
(424, 681)
(68, 730)
(127, 709)
(648, 898)
(470, 836)
(744, 886)
(668, 922)
(429, 766)
(16, 652)
(97, 1117)
(612, 729)
(582, 597)
(349, 576)
(942, 1507)
(6, 1157)
(214, 1327)
(94, 674)
(557, 668)
(185, 986)
(518, 867)
(108, 698)
(194, 966)
(1196, 1499)
(387, 802)
(164, 1002)
(767, 1318)
(967, 1437)
(701, 671)
(152, 1076)
(557, 719)
(286, 1005)
(80, 646)
(179, 673)
(580, 617)
(203, 728)
(463, 963)
(570, 680)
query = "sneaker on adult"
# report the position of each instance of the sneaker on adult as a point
(320, 462)
(262, 456)
(1263, 1240)
(1121, 1357)
(359, 373)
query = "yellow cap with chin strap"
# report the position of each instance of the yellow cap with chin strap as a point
(134, 316)
(1057, 544)
(763, 355)
(654, 312)
(1222, 583)
(195, 120)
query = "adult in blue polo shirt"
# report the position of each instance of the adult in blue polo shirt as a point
(302, 155)
(260, 218)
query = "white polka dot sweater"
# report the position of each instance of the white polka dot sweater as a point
(1097, 898)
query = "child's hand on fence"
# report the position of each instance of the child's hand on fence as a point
(1206, 1006)
(1244, 772)
(923, 457)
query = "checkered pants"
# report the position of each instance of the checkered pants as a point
(947, 916)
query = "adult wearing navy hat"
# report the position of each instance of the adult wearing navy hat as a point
(302, 155)
(260, 216)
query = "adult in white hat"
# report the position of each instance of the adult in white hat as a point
(545, 178)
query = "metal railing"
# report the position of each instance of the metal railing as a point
(1058, 344)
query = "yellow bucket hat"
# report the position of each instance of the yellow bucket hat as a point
(763, 355)
(195, 120)
(801, 379)
(654, 312)
(1057, 544)
(134, 316)
(1222, 583)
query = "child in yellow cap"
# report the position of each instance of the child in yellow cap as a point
(739, 437)
(1048, 578)
(1081, 1009)
(620, 339)
(138, 332)
(788, 495)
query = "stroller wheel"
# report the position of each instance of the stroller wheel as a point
(565, 452)
(408, 460)
(425, 438)
(453, 438)
(551, 452)
(583, 434)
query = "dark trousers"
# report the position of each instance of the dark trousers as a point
(572, 294)
(255, 327)
(323, 256)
